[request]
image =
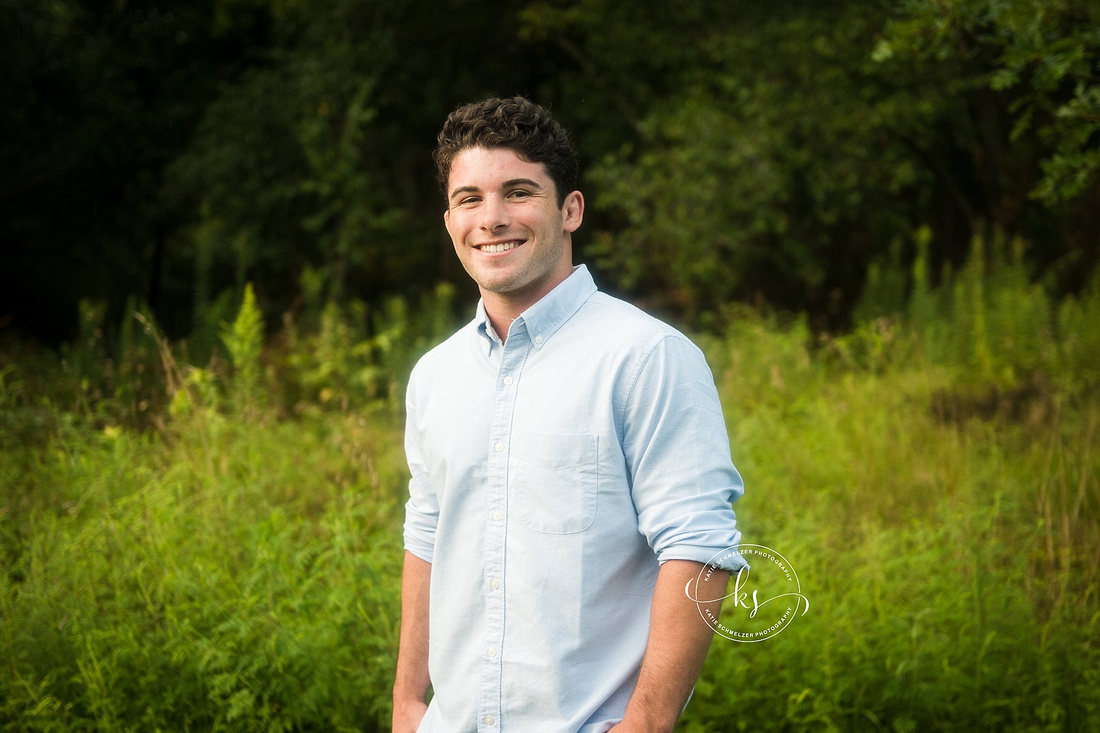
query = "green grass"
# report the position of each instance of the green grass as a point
(950, 560)
(219, 548)
(225, 576)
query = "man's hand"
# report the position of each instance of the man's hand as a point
(407, 715)
(625, 727)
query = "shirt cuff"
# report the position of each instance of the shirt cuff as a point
(725, 558)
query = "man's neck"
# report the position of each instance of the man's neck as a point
(503, 308)
(501, 313)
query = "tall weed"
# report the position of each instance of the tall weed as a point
(359, 359)
(244, 339)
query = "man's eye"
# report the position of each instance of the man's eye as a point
(520, 194)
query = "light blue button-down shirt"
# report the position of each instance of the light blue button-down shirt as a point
(551, 475)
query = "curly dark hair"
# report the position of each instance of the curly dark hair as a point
(517, 124)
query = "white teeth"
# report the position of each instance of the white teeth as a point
(498, 247)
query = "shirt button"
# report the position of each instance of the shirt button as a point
(508, 381)
(499, 446)
(497, 516)
(494, 583)
(538, 339)
(492, 651)
(489, 720)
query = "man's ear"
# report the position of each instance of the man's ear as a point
(572, 211)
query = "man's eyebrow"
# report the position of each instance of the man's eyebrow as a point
(510, 183)
(463, 189)
(522, 182)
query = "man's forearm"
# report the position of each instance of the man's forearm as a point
(678, 642)
(411, 681)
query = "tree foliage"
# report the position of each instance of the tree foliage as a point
(775, 168)
(797, 142)
(767, 152)
(98, 98)
(1044, 54)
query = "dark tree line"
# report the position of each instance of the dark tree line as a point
(167, 153)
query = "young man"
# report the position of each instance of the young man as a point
(570, 470)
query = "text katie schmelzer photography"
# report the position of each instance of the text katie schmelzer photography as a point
(766, 596)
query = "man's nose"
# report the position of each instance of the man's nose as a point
(494, 214)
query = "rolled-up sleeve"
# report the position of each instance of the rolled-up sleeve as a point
(683, 481)
(422, 507)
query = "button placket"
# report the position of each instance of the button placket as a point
(512, 358)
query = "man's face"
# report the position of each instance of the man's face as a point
(506, 225)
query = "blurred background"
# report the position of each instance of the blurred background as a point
(221, 250)
(759, 152)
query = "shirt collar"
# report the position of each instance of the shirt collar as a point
(544, 318)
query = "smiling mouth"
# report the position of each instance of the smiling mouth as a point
(501, 247)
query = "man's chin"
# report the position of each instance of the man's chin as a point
(500, 284)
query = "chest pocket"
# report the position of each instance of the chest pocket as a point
(556, 480)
